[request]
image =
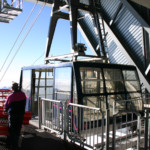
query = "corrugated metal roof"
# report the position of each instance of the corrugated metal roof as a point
(115, 55)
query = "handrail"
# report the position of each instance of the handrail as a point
(50, 100)
(83, 106)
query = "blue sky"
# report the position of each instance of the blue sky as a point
(35, 43)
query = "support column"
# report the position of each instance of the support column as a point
(114, 132)
(52, 27)
(73, 4)
(107, 129)
(39, 112)
(146, 130)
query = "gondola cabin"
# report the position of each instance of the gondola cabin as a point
(87, 83)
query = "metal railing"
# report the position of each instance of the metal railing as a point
(130, 105)
(128, 128)
(81, 124)
(146, 125)
(51, 114)
(127, 131)
(86, 125)
(127, 124)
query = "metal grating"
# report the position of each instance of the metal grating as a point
(9, 13)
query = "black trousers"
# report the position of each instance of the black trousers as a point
(15, 124)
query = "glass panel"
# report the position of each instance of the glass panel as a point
(26, 88)
(129, 105)
(74, 91)
(44, 84)
(119, 103)
(129, 75)
(133, 95)
(84, 2)
(114, 81)
(63, 83)
(132, 86)
(91, 80)
(49, 82)
(94, 101)
(26, 82)
(115, 98)
(131, 81)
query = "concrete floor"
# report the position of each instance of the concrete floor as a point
(35, 139)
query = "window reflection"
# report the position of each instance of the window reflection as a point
(43, 83)
(91, 80)
(63, 83)
(114, 80)
(94, 101)
(131, 80)
(26, 88)
(113, 98)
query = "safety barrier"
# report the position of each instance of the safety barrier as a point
(127, 131)
(128, 128)
(146, 124)
(86, 125)
(51, 114)
(4, 93)
(81, 124)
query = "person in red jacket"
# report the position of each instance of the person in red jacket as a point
(15, 105)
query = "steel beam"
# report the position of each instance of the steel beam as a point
(73, 21)
(56, 14)
(87, 39)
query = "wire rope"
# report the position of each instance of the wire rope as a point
(22, 41)
(38, 59)
(18, 36)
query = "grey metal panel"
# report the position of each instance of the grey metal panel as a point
(115, 55)
(131, 33)
(110, 7)
(128, 30)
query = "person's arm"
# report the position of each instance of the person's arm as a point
(7, 104)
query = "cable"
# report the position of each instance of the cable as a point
(38, 59)
(22, 42)
(18, 36)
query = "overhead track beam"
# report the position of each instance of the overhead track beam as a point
(99, 26)
(74, 6)
(56, 14)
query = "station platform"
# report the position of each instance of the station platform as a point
(34, 139)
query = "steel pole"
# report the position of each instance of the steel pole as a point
(39, 111)
(146, 130)
(107, 129)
